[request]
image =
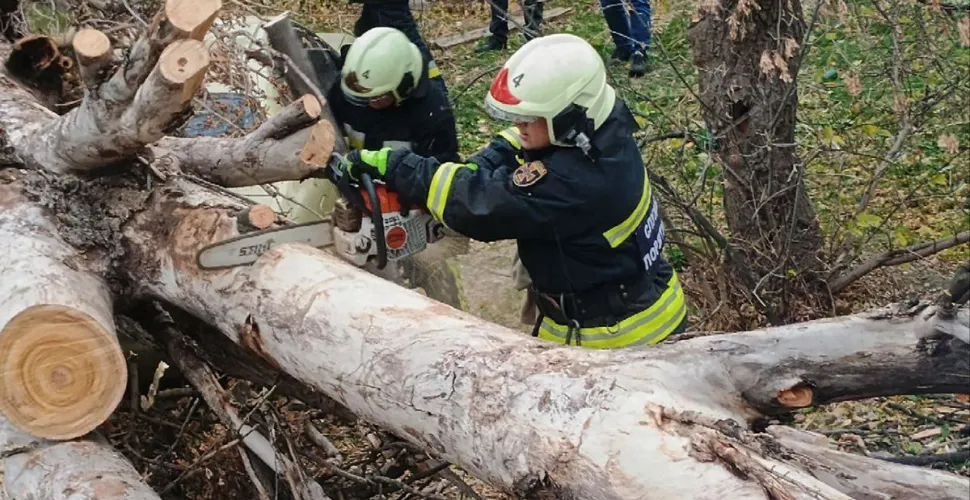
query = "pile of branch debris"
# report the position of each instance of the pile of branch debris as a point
(102, 215)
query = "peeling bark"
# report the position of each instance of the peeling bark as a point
(32, 469)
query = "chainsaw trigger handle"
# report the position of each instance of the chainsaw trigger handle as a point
(377, 218)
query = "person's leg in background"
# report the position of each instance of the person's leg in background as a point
(641, 21)
(498, 27)
(619, 24)
(366, 20)
(532, 11)
(397, 14)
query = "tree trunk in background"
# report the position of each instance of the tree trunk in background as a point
(747, 56)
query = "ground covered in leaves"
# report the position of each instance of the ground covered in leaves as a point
(884, 134)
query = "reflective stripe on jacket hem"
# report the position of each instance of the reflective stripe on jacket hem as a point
(646, 327)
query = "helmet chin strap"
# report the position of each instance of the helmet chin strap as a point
(577, 129)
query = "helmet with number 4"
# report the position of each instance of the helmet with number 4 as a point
(381, 68)
(558, 77)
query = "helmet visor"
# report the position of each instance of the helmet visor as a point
(507, 116)
(377, 102)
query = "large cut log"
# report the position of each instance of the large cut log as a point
(85, 469)
(62, 371)
(530, 416)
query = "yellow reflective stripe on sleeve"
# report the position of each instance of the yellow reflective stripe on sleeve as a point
(649, 326)
(441, 186)
(619, 233)
(433, 71)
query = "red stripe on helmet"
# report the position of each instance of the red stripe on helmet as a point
(500, 88)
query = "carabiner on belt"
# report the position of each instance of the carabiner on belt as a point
(574, 328)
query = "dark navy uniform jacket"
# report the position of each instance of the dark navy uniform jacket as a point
(561, 223)
(423, 123)
(588, 231)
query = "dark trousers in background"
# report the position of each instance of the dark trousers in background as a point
(630, 30)
(499, 25)
(392, 14)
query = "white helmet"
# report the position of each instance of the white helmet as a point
(381, 65)
(558, 77)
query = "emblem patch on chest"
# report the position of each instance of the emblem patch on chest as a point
(529, 174)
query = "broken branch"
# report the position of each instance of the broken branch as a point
(896, 257)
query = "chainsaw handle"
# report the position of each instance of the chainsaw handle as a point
(377, 218)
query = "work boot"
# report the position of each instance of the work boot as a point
(622, 55)
(638, 65)
(491, 43)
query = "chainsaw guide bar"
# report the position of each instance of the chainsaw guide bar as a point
(246, 248)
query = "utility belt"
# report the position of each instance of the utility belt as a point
(603, 305)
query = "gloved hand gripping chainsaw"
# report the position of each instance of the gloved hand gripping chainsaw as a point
(368, 223)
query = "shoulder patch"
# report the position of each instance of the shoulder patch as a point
(529, 174)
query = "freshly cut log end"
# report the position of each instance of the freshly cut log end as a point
(91, 44)
(183, 64)
(193, 18)
(318, 147)
(311, 106)
(93, 50)
(61, 372)
(257, 216)
(796, 397)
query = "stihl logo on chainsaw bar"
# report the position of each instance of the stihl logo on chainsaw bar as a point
(256, 249)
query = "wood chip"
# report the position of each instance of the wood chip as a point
(928, 433)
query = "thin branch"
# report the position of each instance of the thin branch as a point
(896, 257)
(952, 458)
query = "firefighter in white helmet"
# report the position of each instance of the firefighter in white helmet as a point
(579, 203)
(387, 98)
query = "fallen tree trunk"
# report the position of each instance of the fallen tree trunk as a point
(33, 468)
(523, 414)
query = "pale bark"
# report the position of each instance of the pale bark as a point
(865, 478)
(62, 371)
(520, 413)
(288, 147)
(32, 469)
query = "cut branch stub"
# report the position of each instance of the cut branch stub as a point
(316, 150)
(59, 372)
(192, 18)
(183, 65)
(93, 50)
(162, 99)
(179, 20)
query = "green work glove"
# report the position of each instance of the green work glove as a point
(366, 161)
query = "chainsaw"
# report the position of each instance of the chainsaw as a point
(368, 223)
